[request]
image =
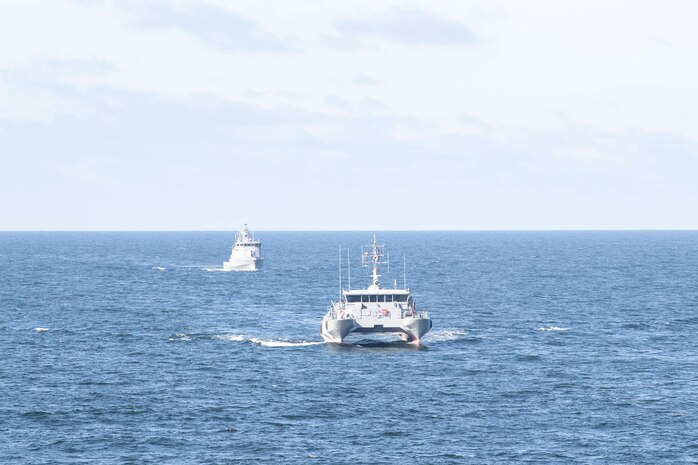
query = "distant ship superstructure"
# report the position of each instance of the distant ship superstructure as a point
(246, 254)
(375, 309)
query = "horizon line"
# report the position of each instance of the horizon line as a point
(339, 230)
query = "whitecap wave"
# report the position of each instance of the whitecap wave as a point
(159, 268)
(39, 329)
(180, 337)
(553, 328)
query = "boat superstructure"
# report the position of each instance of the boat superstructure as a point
(375, 309)
(246, 254)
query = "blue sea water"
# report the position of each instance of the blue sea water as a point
(547, 348)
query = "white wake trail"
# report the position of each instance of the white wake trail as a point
(265, 342)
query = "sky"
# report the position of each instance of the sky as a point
(357, 115)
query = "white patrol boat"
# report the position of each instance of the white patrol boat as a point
(375, 309)
(246, 254)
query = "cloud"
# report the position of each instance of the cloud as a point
(86, 171)
(364, 80)
(407, 26)
(28, 101)
(198, 102)
(211, 25)
(188, 161)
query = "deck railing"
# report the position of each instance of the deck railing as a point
(338, 311)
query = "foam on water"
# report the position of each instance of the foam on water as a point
(265, 342)
(553, 328)
(282, 343)
(39, 329)
(436, 336)
(159, 268)
(230, 337)
(446, 335)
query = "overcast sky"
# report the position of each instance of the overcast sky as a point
(375, 115)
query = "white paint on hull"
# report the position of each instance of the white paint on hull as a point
(243, 265)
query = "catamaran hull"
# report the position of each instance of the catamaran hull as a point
(247, 265)
(414, 328)
(336, 330)
(408, 329)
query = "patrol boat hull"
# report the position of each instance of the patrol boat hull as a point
(243, 264)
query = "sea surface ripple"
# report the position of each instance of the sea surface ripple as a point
(547, 348)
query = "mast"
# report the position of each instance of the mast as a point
(404, 271)
(348, 270)
(375, 257)
(340, 273)
(374, 260)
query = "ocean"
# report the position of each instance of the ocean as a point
(546, 348)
